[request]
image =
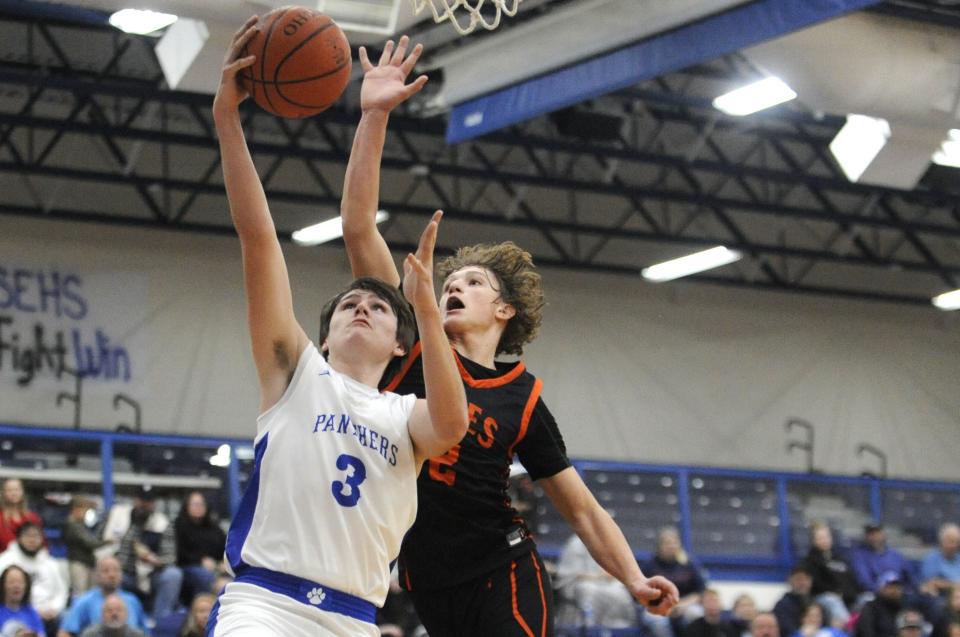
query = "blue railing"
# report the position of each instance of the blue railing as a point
(738, 523)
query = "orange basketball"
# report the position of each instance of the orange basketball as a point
(303, 62)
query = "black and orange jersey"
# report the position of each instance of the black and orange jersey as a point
(466, 523)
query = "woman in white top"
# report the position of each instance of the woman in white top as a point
(333, 488)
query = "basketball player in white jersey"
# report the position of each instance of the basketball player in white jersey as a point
(333, 489)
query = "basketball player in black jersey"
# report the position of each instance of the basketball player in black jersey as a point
(469, 561)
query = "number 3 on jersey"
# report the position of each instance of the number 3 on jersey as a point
(441, 468)
(347, 493)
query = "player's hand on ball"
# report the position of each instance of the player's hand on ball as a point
(418, 268)
(384, 85)
(231, 92)
(657, 594)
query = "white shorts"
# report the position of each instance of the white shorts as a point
(246, 610)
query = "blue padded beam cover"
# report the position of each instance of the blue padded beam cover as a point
(695, 43)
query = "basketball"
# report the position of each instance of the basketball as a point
(303, 62)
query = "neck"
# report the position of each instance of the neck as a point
(479, 347)
(363, 372)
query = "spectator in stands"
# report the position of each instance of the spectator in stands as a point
(874, 558)
(940, 571)
(816, 623)
(196, 624)
(600, 598)
(49, 589)
(672, 562)
(789, 609)
(148, 554)
(834, 585)
(712, 624)
(743, 613)
(15, 610)
(113, 620)
(81, 544)
(764, 625)
(14, 512)
(878, 618)
(950, 616)
(200, 542)
(86, 610)
(910, 623)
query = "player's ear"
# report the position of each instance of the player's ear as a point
(506, 311)
(399, 350)
(324, 348)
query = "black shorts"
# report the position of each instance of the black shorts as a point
(513, 600)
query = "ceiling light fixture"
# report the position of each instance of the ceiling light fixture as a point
(949, 153)
(858, 143)
(691, 264)
(141, 22)
(327, 230)
(755, 97)
(947, 300)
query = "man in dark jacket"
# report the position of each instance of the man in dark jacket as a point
(879, 616)
(789, 610)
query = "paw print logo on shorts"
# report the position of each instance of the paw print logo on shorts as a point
(316, 596)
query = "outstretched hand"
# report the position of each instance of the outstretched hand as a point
(230, 92)
(418, 268)
(384, 85)
(658, 595)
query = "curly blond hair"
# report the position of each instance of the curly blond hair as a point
(520, 286)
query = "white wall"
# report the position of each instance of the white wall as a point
(673, 373)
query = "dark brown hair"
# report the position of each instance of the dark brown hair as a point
(406, 323)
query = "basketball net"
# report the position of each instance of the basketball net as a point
(447, 10)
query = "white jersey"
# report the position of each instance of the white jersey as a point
(333, 490)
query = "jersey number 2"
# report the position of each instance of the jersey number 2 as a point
(347, 492)
(441, 468)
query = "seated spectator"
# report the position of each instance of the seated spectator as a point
(600, 598)
(200, 542)
(113, 620)
(878, 618)
(49, 589)
(940, 570)
(16, 613)
(672, 562)
(873, 558)
(712, 624)
(14, 511)
(834, 585)
(950, 616)
(196, 624)
(764, 625)
(86, 609)
(148, 554)
(743, 613)
(81, 544)
(910, 623)
(789, 609)
(816, 623)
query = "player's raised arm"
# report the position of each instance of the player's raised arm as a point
(276, 337)
(440, 421)
(605, 541)
(383, 90)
